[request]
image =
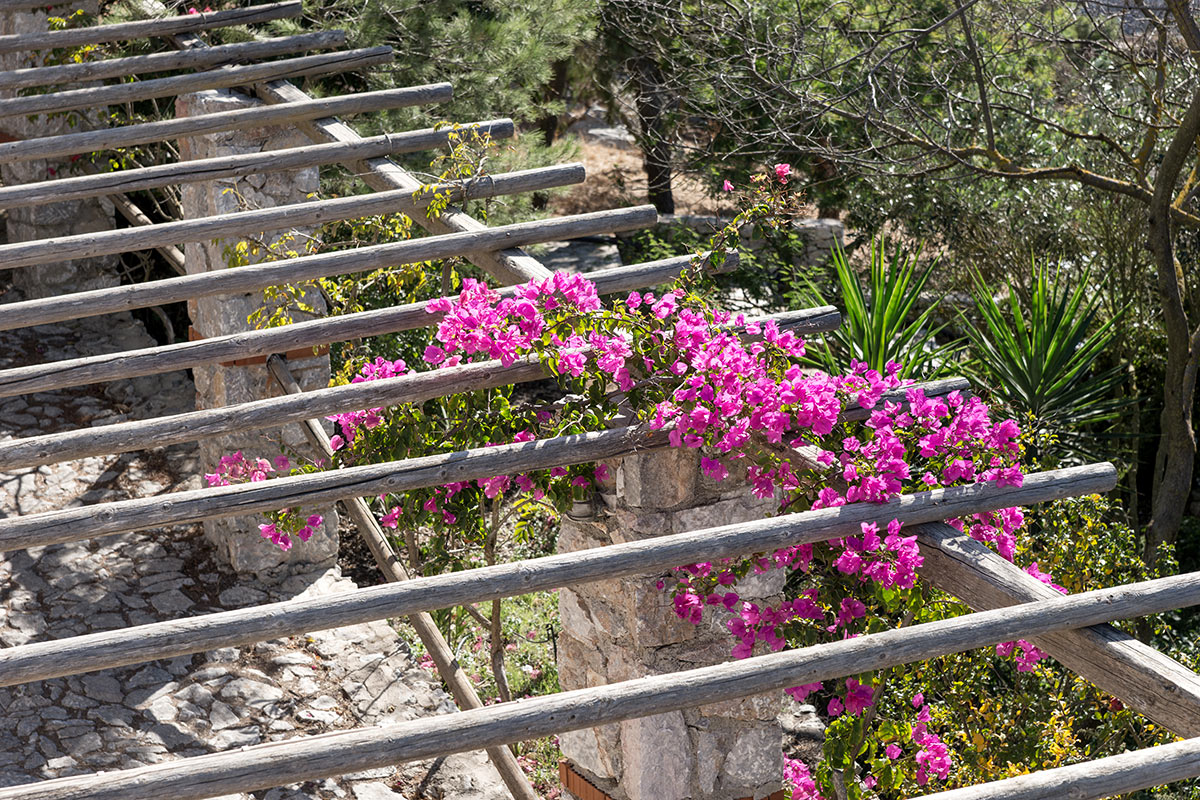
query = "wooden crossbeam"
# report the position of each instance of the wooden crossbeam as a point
(121, 31)
(1092, 780)
(1148, 681)
(108, 138)
(29, 5)
(235, 166)
(258, 276)
(320, 64)
(217, 56)
(317, 212)
(311, 333)
(59, 657)
(315, 757)
(416, 387)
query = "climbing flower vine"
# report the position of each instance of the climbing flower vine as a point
(737, 390)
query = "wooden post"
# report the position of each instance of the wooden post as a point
(390, 565)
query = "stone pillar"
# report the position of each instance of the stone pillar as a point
(54, 219)
(820, 236)
(237, 539)
(626, 628)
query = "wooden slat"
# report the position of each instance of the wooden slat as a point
(320, 64)
(257, 276)
(312, 333)
(29, 5)
(218, 56)
(163, 130)
(317, 212)
(1092, 780)
(315, 757)
(271, 412)
(1148, 681)
(205, 169)
(67, 656)
(183, 23)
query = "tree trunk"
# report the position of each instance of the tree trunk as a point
(656, 135)
(1177, 440)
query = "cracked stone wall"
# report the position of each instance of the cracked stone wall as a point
(53, 219)
(236, 538)
(625, 628)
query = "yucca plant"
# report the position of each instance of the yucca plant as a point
(883, 321)
(1043, 361)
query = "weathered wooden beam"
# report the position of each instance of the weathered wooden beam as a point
(1150, 682)
(371, 533)
(217, 56)
(257, 276)
(314, 757)
(29, 5)
(317, 212)
(59, 657)
(121, 31)
(205, 169)
(272, 412)
(162, 130)
(1092, 780)
(313, 333)
(321, 64)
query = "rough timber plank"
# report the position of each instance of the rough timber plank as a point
(312, 333)
(162, 130)
(1143, 678)
(183, 23)
(320, 64)
(371, 533)
(217, 56)
(258, 276)
(271, 412)
(308, 758)
(317, 212)
(228, 628)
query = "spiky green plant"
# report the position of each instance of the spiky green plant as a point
(1043, 361)
(885, 320)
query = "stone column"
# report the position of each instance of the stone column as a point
(626, 628)
(54, 219)
(237, 539)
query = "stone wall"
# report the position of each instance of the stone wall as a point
(623, 629)
(236, 538)
(54, 219)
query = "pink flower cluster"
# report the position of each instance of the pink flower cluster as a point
(797, 776)
(349, 422)
(236, 468)
(933, 757)
(480, 321)
(276, 533)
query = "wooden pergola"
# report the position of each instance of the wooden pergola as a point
(1010, 604)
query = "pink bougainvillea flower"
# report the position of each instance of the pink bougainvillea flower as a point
(782, 171)
(726, 186)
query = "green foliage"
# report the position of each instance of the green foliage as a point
(1043, 359)
(882, 322)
